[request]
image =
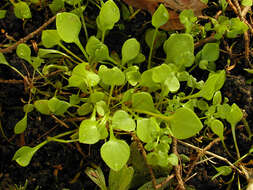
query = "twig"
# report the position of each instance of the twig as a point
(211, 154)
(11, 81)
(144, 154)
(158, 186)
(199, 155)
(59, 121)
(206, 40)
(29, 36)
(177, 168)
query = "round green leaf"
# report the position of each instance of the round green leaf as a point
(50, 38)
(160, 17)
(121, 120)
(185, 123)
(218, 128)
(22, 10)
(210, 52)
(130, 50)
(24, 52)
(68, 26)
(88, 132)
(146, 129)
(115, 153)
(42, 106)
(108, 16)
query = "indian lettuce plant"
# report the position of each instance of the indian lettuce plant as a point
(121, 98)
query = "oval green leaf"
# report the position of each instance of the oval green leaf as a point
(130, 50)
(122, 121)
(185, 123)
(115, 153)
(160, 17)
(88, 132)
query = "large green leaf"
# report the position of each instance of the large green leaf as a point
(185, 123)
(115, 153)
(121, 120)
(178, 46)
(68, 26)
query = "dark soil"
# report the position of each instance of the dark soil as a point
(58, 166)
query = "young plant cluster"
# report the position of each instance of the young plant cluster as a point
(117, 97)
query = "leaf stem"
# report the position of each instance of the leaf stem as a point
(110, 95)
(166, 118)
(235, 142)
(71, 53)
(151, 48)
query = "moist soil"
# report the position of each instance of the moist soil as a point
(58, 166)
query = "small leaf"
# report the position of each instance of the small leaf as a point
(115, 153)
(217, 98)
(112, 76)
(146, 129)
(81, 76)
(247, 2)
(42, 106)
(74, 99)
(120, 180)
(210, 52)
(58, 107)
(143, 101)
(185, 123)
(177, 45)
(21, 126)
(56, 6)
(109, 14)
(68, 26)
(160, 16)
(22, 10)
(88, 132)
(218, 128)
(161, 36)
(130, 50)
(50, 38)
(235, 115)
(122, 121)
(2, 13)
(3, 60)
(85, 109)
(173, 159)
(24, 52)
(24, 155)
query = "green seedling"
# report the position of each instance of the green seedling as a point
(22, 10)
(159, 18)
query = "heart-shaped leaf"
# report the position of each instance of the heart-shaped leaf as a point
(185, 123)
(115, 153)
(50, 38)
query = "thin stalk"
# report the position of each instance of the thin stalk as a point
(103, 37)
(166, 118)
(235, 142)
(62, 140)
(151, 48)
(71, 53)
(110, 95)
(83, 20)
(78, 43)
(226, 149)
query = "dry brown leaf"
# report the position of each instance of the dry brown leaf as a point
(174, 8)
